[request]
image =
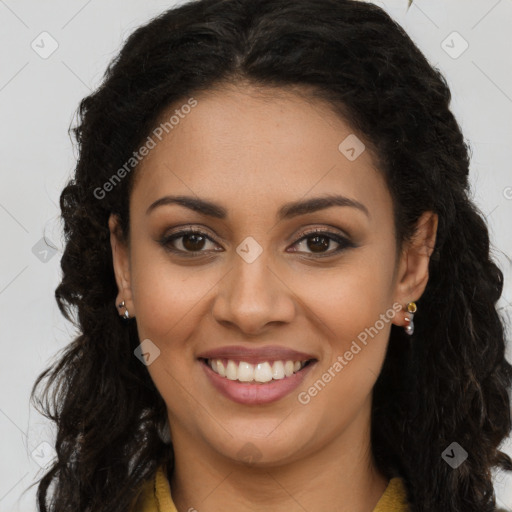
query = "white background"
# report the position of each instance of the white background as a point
(38, 99)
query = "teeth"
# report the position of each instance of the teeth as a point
(245, 372)
(231, 370)
(220, 368)
(261, 372)
(278, 370)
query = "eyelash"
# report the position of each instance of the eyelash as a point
(344, 243)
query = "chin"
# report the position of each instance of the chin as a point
(264, 447)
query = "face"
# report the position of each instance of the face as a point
(268, 275)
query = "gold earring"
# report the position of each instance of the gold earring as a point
(411, 308)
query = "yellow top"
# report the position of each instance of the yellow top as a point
(156, 496)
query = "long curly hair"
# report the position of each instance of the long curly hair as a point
(447, 383)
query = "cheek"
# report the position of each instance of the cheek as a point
(353, 312)
(160, 292)
(351, 297)
(170, 301)
(168, 298)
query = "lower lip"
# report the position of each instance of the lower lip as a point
(256, 394)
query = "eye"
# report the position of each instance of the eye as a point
(317, 240)
(188, 241)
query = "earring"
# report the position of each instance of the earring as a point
(126, 315)
(411, 308)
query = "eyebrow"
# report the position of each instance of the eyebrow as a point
(287, 211)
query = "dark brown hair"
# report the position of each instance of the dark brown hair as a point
(448, 383)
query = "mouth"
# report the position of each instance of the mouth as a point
(255, 375)
(262, 372)
(256, 383)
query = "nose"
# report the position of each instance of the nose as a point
(253, 296)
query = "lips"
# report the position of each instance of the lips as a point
(255, 355)
(255, 376)
(256, 393)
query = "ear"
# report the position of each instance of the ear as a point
(121, 263)
(412, 276)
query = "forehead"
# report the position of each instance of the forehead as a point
(254, 144)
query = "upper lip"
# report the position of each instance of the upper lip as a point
(255, 355)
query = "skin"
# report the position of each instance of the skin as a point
(252, 150)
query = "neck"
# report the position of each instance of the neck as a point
(205, 481)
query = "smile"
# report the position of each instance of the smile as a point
(277, 379)
(262, 372)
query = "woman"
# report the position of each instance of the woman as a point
(284, 292)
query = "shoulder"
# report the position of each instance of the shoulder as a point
(155, 495)
(146, 499)
(394, 498)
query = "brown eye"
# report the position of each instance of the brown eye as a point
(188, 241)
(193, 242)
(319, 241)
